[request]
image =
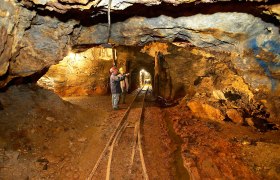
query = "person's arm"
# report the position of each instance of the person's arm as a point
(119, 77)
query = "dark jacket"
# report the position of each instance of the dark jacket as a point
(115, 83)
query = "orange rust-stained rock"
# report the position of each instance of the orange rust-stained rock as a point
(273, 10)
(250, 121)
(209, 150)
(205, 111)
(154, 47)
(79, 74)
(5, 50)
(235, 116)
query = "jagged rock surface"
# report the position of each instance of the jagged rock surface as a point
(62, 6)
(80, 74)
(44, 44)
(220, 31)
(30, 42)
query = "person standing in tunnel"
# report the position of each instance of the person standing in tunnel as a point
(115, 86)
(124, 86)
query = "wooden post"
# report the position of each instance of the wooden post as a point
(114, 52)
(156, 75)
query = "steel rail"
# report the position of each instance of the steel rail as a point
(136, 129)
(120, 132)
(117, 129)
(146, 177)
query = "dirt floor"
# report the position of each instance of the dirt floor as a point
(45, 137)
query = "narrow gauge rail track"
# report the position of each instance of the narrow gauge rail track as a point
(122, 157)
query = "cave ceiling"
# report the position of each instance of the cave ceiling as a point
(36, 34)
(63, 6)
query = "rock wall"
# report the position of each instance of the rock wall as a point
(64, 6)
(213, 88)
(219, 31)
(41, 46)
(30, 42)
(80, 74)
(214, 84)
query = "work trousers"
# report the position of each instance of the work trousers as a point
(115, 100)
(123, 97)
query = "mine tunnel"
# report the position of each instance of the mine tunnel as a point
(154, 89)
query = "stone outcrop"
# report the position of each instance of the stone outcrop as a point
(205, 111)
(235, 116)
(233, 31)
(273, 10)
(213, 82)
(29, 42)
(5, 50)
(7, 23)
(44, 44)
(80, 74)
(63, 6)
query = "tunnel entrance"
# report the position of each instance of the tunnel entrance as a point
(145, 78)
